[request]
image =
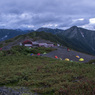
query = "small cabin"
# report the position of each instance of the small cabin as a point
(50, 45)
(42, 44)
(58, 45)
(35, 44)
(27, 43)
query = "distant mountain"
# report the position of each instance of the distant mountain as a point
(79, 39)
(53, 31)
(6, 34)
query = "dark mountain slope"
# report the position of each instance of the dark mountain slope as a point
(79, 39)
(47, 36)
(53, 31)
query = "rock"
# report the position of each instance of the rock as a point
(93, 63)
(15, 91)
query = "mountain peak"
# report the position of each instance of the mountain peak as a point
(74, 27)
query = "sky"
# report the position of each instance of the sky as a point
(33, 14)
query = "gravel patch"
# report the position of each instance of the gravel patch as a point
(63, 53)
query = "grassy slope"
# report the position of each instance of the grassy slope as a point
(47, 76)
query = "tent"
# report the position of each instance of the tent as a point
(56, 57)
(38, 54)
(31, 54)
(77, 56)
(44, 53)
(60, 58)
(68, 49)
(71, 61)
(0, 48)
(81, 59)
(67, 59)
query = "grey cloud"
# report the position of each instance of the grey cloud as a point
(81, 22)
(41, 12)
(66, 22)
(69, 22)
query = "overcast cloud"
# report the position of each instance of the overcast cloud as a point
(32, 14)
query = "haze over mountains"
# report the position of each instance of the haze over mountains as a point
(77, 38)
(6, 34)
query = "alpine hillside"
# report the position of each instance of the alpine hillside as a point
(33, 36)
(77, 38)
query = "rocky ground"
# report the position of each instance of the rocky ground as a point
(62, 52)
(15, 91)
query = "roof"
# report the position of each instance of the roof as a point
(35, 43)
(44, 41)
(28, 45)
(27, 42)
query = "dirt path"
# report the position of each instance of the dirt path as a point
(63, 53)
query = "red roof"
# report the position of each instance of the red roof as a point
(27, 42)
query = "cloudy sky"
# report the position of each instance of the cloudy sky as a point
(32, 14)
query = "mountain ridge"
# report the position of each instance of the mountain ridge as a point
(75, 37)
(78, 38)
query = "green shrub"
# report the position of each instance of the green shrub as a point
(17, 50)
(1, 45)
(91, 62)
(47, 76)
(1, 53)
(7, 41)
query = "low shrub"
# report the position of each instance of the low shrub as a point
(17, 50)
(91, 62)
(47, 76)
(1, 45)
(7, 41)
